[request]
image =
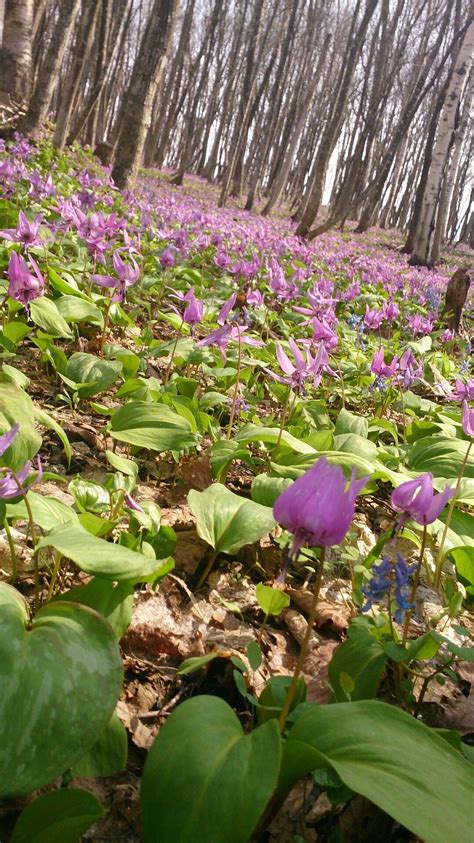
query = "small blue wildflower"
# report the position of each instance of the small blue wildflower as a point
(379, 585)
(386, 575)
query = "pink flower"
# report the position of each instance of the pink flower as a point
(415, 499)
(318, 507)
(467, 419)
(23, 286)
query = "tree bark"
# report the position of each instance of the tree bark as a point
(49, 72)
(136, 111)
(16, 51)
(424, 239)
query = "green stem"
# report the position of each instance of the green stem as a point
(54, 575)
(31, 522)
(106, 325)
(414, 587)
(168, 370)
(304, 646)
(13, 555)
(283, 419)
(439, 558)
(207, 570)
(236, 390)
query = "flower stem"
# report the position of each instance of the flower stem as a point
(168, 370)
(439, 558)
(304, 646)
(236, 390)
(416, 580)
(11, 545)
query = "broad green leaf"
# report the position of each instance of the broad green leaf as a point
(89, 495)
(392, 759)
(61, 678)
(266, 489)
(362, 659)
(48, 512)
(73, 309)
(151, 426)
(352, 443)
(271, 600)
(46, 315)
(17, 406)
(61, 816)
(204, 779)
(112, 600)
(127, 467)
(108, 755)
(96, 374)
(270, 436)
(223, 453)
(99, 557)
(227, 521)
(348, 422)
(443, 457)
(464, 561)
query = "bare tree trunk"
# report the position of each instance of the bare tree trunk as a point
(49, 73)
(424, 239)
(135, 115)
(16, 51)
(81, 54)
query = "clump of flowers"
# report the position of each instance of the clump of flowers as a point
(388, 576)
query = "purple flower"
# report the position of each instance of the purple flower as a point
(25, 233)
(23, 286)
(11, 484)
(415, 499)
(373, 318)
(226, 309)
(467, 419)
(127, 276)
(302, 369)
(167, 258)
(193, 310)
(131, 503)
(379, 367)
(319, 506)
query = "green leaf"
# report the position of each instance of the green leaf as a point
(99, 557)
(108, 755)
(464, 561)
(362, 659)
(61, 816)
(127, 467)
(442, 457)
(204, 779)
(270, 436)
(254, 655)
(271, 600)
(17, 406)
(226, 521)
(89, 495)
(392, 759)
(193, 664)
(48, 512)
(348, 422)
(112, 600)
(74, 309)
(46, 315)
(266, 489)
(49, 422)
(61, 678)
(95, 374)
(151, 426)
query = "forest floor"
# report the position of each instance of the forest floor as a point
(180, 238)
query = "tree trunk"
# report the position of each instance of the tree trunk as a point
(49, 72)
(136, 111)
(81, 54)
(16, 52)
(424, 239)
(333, 127)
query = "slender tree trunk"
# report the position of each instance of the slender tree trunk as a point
(138, 100)
(16, 51)
(49, 72)
(81, 54)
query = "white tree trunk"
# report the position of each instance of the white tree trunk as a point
(424, 240)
